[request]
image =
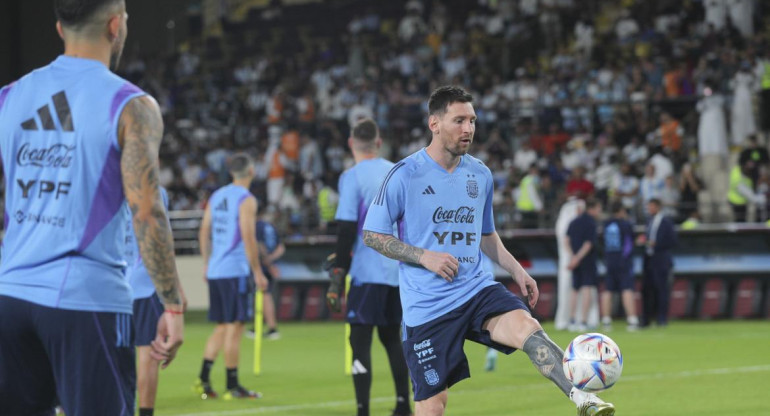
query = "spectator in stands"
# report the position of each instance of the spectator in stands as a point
(651, 187)
(669, 134)
(528, 201)
(742, 123)
(712, 142)
(689, 187)
(579, 185)
(659, 239)
(758, 154)
(741, 192)
(670, 197)
(524, 157)
(625, 187)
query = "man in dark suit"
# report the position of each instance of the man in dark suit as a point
(660, 239)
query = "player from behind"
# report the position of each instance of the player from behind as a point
(373, 299)
(441, 199)
(228, 244)
(147, 310)
(77, 142)
(271, 248)
(619, 259)
(580, 245)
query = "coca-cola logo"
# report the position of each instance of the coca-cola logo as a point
(55, 156)
(461, 215)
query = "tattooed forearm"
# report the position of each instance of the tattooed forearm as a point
(392, 247)
(141, 129)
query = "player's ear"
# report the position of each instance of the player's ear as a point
(350, 143)
(433, 122)
(59, 30)
(113, 27)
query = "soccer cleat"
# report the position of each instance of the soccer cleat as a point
(273, 335)
(491, 360)
(590, 408)
(204, 390)
(241, 393)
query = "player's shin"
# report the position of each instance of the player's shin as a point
(546, 356)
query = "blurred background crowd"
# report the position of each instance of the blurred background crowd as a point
(621, 100)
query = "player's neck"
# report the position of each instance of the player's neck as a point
(361, 156)
(445, 159)
(79, 48)
(244, 182)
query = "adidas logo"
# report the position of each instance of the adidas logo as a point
(62, 107)
(429, 191)
(222, 206)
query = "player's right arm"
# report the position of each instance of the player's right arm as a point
(388, 208)
(247, 221)
(443, 264)
(139, 135)
(204, 240)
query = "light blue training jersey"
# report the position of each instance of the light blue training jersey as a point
(358, 186)
(228, 255)
(136, 273)
(64, 217)
(439, 211)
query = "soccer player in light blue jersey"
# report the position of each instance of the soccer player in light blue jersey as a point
(148, 309)
(373, 298)
(77, 142)
(441, 199)
(228, 244)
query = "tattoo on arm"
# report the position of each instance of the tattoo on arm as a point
(392, 247)
(141, 130)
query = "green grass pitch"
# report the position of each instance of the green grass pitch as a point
(689, 368)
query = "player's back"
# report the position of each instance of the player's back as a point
(64, 218)
(228, 256)
(618, 239)
(359, 185)
(136, 272)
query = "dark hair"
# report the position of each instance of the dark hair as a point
(442, 97)
(655, 201)
(365, 130)
(238, 163)
(592, 203)
(616, 207)
(78, 12)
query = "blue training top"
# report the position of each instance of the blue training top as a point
(267, 235)
(439, 211)
(136, 273)
(228, 255)
(618, 241)
(358, 187)
(64, 219)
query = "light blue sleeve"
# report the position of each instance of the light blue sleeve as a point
(488, 222)
(388, 206)
(347, 209)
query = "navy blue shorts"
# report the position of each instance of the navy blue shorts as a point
(374, 304)
(584, 276)
(147, 312)
(86, 359)
(434, 350)
(620, 276)
(229, 300)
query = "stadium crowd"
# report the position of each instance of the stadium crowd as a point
(627, 100)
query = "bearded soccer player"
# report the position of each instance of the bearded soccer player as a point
(77, 142)
(441, 199)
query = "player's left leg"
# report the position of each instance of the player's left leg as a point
(518, 329)
(361, 344)
(391, 340)
(232, 350)
(146, 380)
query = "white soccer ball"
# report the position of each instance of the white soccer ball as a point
(592, 362)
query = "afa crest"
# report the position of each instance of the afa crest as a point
(473, 188)
(431, 377)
